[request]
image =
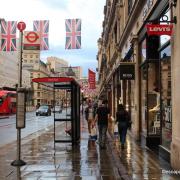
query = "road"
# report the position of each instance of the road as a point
(8, 132)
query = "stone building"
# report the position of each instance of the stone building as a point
(141, 70)
(31, 62)
(9, 71)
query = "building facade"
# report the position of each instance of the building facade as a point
(37, 68)
(76, 69)
(143, 70)
(56, 64)
(9, 71)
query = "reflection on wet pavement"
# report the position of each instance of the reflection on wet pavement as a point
(84, 161)
(139, 162)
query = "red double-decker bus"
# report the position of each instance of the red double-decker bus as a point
(7, 102)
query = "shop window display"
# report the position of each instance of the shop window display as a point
(166, 97)
(143, 101)
(153, 99)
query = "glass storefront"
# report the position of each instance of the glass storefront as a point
(156, 105)
(153, 98)
(150, 94)
(143, 89)
(143, 101)
(166, 108)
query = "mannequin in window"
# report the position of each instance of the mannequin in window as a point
(157, 107)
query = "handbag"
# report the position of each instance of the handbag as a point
(116, 133)
(93, 133)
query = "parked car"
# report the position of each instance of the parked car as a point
(43, 110)
(57, 109)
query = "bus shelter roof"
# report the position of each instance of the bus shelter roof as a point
(55, 82)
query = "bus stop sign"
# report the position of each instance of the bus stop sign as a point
(21, 26)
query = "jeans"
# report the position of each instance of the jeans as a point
(122, 133)
(102, 134)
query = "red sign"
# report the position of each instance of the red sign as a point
(32, 37)
(21, 26)
(159, 29)
(91, 79)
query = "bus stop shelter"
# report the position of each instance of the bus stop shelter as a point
(66, 95)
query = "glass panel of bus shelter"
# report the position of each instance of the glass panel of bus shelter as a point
(62, 108)
(153, 98)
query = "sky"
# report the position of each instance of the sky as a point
(56, 11)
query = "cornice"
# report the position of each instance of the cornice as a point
(110, 20)
(139, 4)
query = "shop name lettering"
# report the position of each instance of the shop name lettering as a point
(161, 29)
(127, 75)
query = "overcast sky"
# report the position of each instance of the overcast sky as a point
(56, 11)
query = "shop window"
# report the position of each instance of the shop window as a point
(166, 98)
(38, 86)
(143, 50)
(165, 53)
(153, 98)
(38, 94)
(144, 100)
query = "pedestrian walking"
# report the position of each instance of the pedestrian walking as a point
(89, 116)
(102, 117)
(123, 120)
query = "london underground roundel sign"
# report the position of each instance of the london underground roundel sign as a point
(21, 26)
(32, 37)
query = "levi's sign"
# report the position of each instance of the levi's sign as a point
(159, 29)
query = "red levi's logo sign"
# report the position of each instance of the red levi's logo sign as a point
(159, 29)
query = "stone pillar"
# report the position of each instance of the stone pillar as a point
(175, 145)
(136, 114)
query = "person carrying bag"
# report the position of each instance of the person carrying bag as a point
(123, 120)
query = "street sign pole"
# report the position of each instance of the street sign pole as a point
(18, 161)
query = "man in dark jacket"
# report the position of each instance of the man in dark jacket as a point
(102, 117)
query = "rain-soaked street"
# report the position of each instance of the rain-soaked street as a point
(84, 161)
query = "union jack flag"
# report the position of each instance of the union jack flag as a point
(8, 35)
(73, 33)
(43, 28)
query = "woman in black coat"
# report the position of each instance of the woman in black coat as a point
(123, 119)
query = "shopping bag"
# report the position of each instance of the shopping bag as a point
(94, 133)
(116, 130)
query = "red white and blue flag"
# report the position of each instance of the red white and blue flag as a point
(42, 27)
(8, 35)
(73, 33)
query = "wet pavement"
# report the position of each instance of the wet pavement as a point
(84, 161)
